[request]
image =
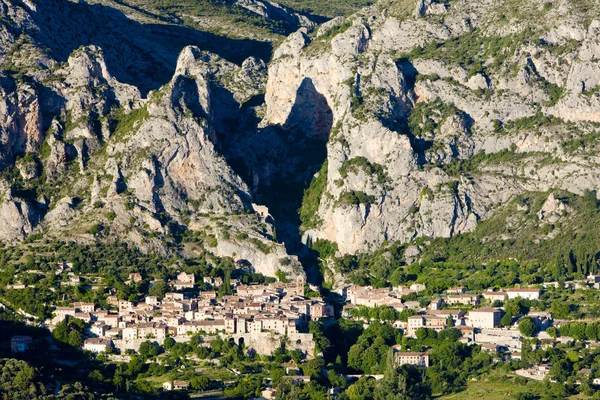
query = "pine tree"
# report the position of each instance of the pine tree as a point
(391, 373)
(525, 350)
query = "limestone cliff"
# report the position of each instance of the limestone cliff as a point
(95, 159)
(421, 120)
(409, 118)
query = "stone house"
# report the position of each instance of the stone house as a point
(420, 359)
(495, 296)
(530, 294)
(484, 318)
(465, 299)
(84, 307)
(20, 344)
(97, 345)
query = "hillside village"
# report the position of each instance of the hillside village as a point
(387, 200)
(257, 315)
(263, 316)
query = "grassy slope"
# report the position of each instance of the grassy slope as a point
(327, 8)
(493, 389)
(213, 16)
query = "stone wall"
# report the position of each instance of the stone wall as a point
(263, 342)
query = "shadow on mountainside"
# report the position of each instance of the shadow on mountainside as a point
(279, 162)
(144, 55)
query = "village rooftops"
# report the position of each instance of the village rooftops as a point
(101, 341)
(485, 310)
(412, 353)
(494, 294)
(458, 313)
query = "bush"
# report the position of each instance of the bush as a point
(356, 198)
(281, 276)
(324, 248)
(200, 383)
(96, 229)
(527, 327)
(356, 163)
(285, 261)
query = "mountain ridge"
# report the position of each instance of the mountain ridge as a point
(422, 117)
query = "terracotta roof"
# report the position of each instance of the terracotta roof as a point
(485, 309)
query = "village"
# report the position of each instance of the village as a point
(258, 316)
(261, 316)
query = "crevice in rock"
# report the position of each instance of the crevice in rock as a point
(279, 162)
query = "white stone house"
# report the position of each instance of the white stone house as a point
(97, 345)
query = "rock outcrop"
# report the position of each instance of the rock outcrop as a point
(403, 124)
(423, 118)
(277, 12)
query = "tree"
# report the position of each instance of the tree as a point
(573, 356)
(388, 314)
(506, 320)
(422, 333)
(404, 314)
(225, 288)
(527, 327)
(561, 370)
(355, 356)
(69, 331)
(217, 344)
(75, 338)
(336, 380)
(313, 367)
(276, 375)
(362, 389)
(591, 331)
(200, 382)
(553, 332)
(515, 307)
(578, 330)
(398, 277)
(451, 334)
(322, 343)
(96, 375)
(159, 289)
(168, 343)
(560, 309)
(148, 349)
(24, 377)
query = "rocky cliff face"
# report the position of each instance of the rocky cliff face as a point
(94, 159)
(404, 119)
(411, 118)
